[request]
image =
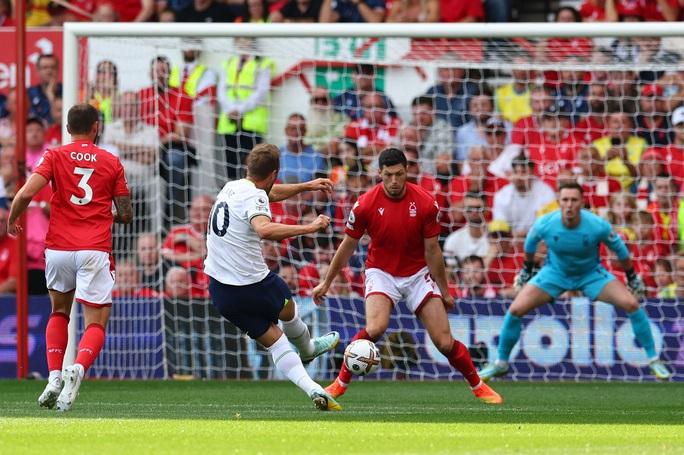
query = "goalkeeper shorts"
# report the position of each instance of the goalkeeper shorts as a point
(554, 282)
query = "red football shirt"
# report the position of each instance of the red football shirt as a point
(526, 131)
(164, 109)
(85, 179)
(397, 228)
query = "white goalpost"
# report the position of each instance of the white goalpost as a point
(170, 329)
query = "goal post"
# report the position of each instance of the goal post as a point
(165, 332)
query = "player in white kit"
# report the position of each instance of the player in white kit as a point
(242, 287)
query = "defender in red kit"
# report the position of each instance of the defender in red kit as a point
(404, 262)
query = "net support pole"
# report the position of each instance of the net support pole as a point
(70, 75)
(22, 273)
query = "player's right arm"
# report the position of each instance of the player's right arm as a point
(268, 230)
(124, 209)
(22, 199)
(531, 241)
(341, 258)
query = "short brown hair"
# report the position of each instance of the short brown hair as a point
(81, 118)
(262, 160)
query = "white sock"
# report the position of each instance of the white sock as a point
(55, 375)
(288, 362)
(298, 334)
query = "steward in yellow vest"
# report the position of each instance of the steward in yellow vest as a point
(191, 82)
(239, 87)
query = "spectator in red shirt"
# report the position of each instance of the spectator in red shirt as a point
(596, 10)
(128, 283)
(185, 245)
(590, 170)
(650, 10)
(461, 11)
(665, 211)
(53, 135)
(673, 154)
(652, 122)
(593, 126)
(473, 280)
(6, 14)
(478, 180)
(556, 150)
(527, 131)
(8, 257)
(651, 165)
(178, 284)
(503, 260)
(376, 129)
(171, 111)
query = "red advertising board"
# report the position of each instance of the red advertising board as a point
(38, 41)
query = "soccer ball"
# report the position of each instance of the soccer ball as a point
(362, 357)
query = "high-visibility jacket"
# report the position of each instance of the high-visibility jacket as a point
(240, 86)
(104, 105)
(190, 85)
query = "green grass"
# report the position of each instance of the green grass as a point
(379, 417)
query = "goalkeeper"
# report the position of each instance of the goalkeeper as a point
(573, 236)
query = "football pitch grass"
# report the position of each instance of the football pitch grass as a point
(229, 417)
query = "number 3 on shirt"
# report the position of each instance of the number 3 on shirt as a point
(85, 174)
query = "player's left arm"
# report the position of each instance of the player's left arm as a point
(124, 209)
(435, 263)
(21, 201)
(282, 191)
(615, 244)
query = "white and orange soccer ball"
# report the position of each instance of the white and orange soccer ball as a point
(362, 357)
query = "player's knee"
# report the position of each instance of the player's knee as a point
(630, 304)
(444, 344)
(375, 331)
(517, 311)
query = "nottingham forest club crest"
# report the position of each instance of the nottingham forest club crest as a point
(413, 211)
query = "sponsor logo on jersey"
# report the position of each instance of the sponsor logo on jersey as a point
(413, 211)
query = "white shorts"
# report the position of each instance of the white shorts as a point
(90, 272)
(415, 290)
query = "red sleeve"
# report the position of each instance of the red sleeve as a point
(170, 240)
(184, 112)
(431, 227)
(518, 135)
(120, 184)
(476, 10)
(356, 223)
(351, 131)
(45, 168)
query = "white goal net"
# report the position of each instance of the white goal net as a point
(489, 126)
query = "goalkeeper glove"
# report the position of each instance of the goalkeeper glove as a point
(635, 284)
(524, 275)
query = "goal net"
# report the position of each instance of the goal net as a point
(490, 127)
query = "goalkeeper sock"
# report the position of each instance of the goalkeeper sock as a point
(298, 334)
(345, 375)
(56, 339)
(642, 332)
(459, 358)
(510, 334)
(288, 362)
(91, 343)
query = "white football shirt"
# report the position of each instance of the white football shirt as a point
(233, 247)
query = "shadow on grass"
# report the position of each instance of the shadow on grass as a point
(418, 402)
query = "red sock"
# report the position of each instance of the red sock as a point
(459, 358)
(346, 375)
(91, 343)
(56, 339)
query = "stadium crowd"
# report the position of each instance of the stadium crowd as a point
(490, 146)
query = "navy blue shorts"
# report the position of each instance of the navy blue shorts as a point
(253, 307)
